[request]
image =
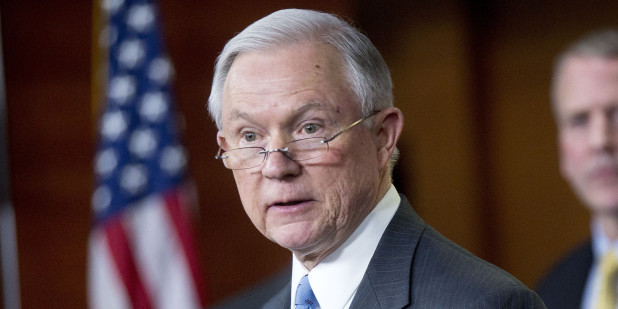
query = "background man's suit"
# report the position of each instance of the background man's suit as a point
(414, 266)
(564, 285)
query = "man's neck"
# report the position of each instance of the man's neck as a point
(311, 260)
(609, 223)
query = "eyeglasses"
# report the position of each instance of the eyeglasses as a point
(296, 150)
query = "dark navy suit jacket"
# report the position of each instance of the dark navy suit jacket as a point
(564, 285)
(414, 266)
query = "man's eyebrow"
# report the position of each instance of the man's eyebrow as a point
(311, 105)
(235, 114)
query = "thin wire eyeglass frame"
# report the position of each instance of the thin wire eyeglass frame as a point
(221, 154)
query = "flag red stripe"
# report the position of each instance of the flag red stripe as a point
(182, 224)
(125, 263)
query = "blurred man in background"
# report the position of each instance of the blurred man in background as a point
(585, 102)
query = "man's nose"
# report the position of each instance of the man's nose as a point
(278, 164)
(602, 132)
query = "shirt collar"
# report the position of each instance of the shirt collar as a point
(601, 244)
(335, 279)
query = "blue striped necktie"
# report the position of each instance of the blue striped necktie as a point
(305, 299)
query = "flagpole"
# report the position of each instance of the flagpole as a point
(8, 235)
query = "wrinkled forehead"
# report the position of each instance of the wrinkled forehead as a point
(590, 66)
(299, 62)
(586, 81)
(287, 79)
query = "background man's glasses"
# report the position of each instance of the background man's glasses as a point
(297, 150)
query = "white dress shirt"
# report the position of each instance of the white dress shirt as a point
(335, 279)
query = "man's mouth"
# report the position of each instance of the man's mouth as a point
(292, 203)
(604, 173)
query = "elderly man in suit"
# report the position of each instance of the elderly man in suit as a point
(585, 102)
(304, 107)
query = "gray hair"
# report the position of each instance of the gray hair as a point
(598, 44)
(367, 73)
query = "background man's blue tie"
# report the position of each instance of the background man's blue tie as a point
(305, 299)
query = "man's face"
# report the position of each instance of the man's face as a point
(271, 98)
(587, 110)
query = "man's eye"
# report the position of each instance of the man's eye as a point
(310, 128)
(578, 120)
(250, 136)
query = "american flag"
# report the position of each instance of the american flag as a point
(141, 251)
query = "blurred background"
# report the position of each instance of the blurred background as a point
(479, 159)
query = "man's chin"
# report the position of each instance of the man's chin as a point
(605, 205)
(293, 236)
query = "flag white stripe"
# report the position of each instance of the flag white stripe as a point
(159, 258)
(105, 288)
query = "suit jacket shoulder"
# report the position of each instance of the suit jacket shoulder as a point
(415, 266)
(564, 284)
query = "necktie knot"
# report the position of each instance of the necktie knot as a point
(607, 289)
(305, 299)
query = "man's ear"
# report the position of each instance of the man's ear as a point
(220, 138)
(388, 126)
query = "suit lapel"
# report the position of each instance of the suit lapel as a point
(580, 271)
(386, 283)
(564, 285)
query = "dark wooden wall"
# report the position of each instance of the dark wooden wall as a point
(479, 158)
(47, 67)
